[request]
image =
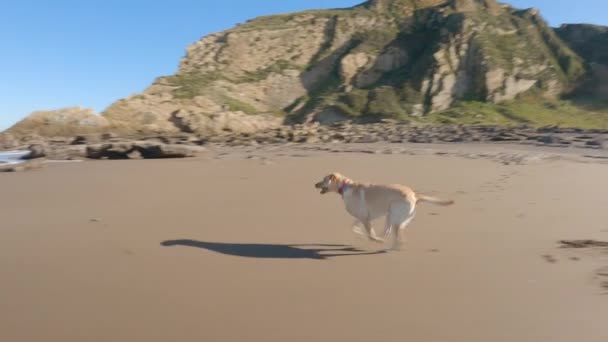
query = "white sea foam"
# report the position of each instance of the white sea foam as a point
(12, 157)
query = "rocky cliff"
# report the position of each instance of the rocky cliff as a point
(61, 122)
(399, 59)
(591, 43)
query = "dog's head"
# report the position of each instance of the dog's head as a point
(331, 183)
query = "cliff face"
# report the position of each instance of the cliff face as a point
(384, 58)
(591, 43)
(381, 59)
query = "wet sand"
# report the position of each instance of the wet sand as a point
(244, 248)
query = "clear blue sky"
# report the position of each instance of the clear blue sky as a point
(60, 53)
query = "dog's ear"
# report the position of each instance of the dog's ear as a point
(332, 177)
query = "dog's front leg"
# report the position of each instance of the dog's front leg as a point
(370, 232)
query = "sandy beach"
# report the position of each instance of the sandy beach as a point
(241, 247)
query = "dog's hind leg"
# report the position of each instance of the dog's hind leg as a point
(399, 217)
(391, 219)
(387, 226)
(398, 233)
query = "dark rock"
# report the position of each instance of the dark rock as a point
(121, 148)
(108, 136)
(546, 139)
(97, 151)
(156, 151)
(421, 139)
(596, 143)
(141, 149)
(79, 140)
(505, 136)
(36, 151)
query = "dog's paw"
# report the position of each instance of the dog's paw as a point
(358, 230)
(395, 248)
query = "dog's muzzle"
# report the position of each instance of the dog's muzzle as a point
(323, 188)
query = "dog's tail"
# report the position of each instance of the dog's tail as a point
(434, 200)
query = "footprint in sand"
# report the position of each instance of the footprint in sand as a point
(602, 276)
(550, 258)
(603, 272)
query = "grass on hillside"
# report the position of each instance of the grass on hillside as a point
(537, 114)
(261, 74)
(237, 105)
(281, 21)
(191, 84)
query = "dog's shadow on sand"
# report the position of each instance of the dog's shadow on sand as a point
(273, 251)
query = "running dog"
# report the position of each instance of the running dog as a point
(367, 202)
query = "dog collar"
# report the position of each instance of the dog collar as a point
(343, 186)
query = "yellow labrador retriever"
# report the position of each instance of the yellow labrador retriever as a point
(367, 202)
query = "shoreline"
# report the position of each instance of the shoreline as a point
(12, 157)
(397, 134)
(505, 153)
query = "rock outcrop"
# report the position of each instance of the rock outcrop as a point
(590, 42)
(35, 151)
(62, 122)
(141, 149)
(382, 59)
(7, 141)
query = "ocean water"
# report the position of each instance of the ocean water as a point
(11, 157)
